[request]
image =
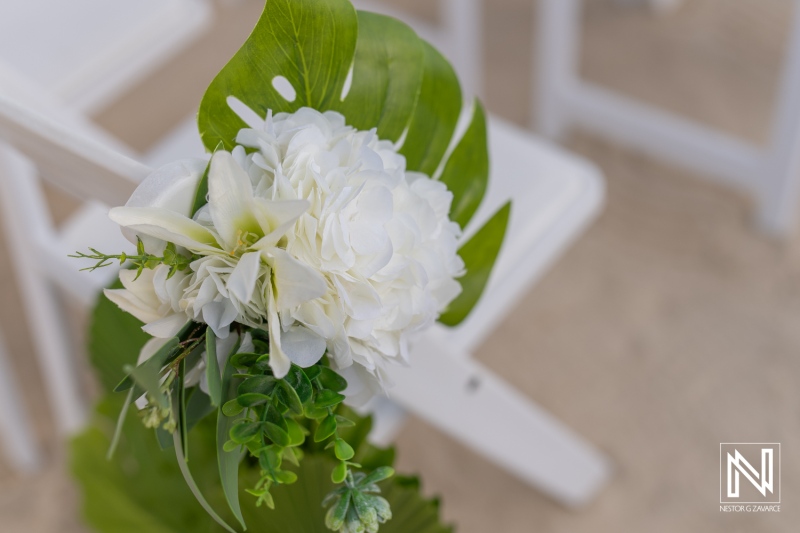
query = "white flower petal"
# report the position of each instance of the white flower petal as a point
(167, 327)
(219, 315)
(295, 282)
(167, 226)
(129, 303)
(150, 348)
(302, 346)
(242, 281)
(230, 199)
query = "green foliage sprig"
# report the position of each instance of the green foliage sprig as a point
(172, 258)
(268, 417)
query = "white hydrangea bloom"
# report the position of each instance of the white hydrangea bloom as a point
(313, 231)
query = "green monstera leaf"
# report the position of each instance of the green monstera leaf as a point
(374, 70)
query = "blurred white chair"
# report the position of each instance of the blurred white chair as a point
(21, 449)
(771, 173)
(67, 58)
(40, 249)
(88, 52)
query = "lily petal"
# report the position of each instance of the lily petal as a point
(167, 327)
(278, 216)
(295, 282)
(230, 200)
(278, 360)
(167, 226)
(303, 346)
(242, 281)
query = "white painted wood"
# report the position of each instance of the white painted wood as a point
(22, 203)
(88, 52)
(770, 174)
(662, 134)
(16, 435)
(79, 164)
(780, 175)
(556, 56)
(659, 6)
(468, 402)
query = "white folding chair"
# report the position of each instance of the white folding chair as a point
(87, 52)
(771, 174)
(39, 249)
(80, 55)
(16, 435)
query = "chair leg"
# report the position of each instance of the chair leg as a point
(465, 400)
(779, 181)
(24, 217)
(15, 431)
(556, 72)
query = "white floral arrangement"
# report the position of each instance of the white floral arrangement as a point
(288, 273)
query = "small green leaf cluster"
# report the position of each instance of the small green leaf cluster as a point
(267, 416)
(172, 258)
(274, 417)
(356, 507)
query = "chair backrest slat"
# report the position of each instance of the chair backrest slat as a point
(74, 161)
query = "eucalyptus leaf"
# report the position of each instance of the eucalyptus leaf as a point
(245, 431)
(213, 375)
(252, 399)
(300, 382)
(148, 370)
(328, 398)
(228, 460)
(179, 406)
(190, 482)
(466, 173)
(325, 429)
(148, 374)
(332, 380)
(277, 434)
(308, 43)
(198, 406)
(258, 384)
(289, 397)
(479, 255)
(120, 423)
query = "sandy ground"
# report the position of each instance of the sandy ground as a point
(668, 328)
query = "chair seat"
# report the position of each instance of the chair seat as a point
(89, 51)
